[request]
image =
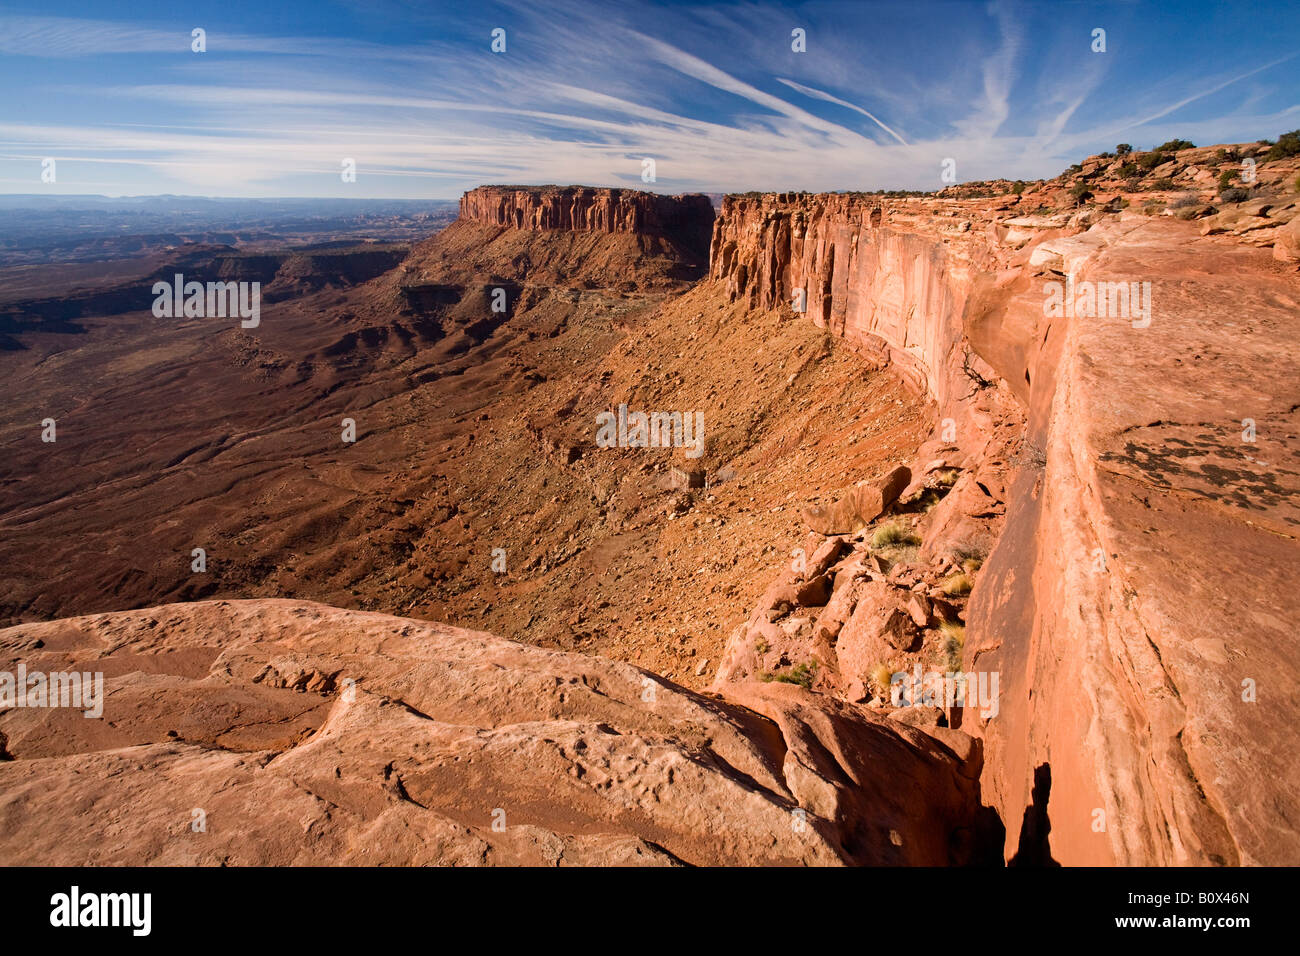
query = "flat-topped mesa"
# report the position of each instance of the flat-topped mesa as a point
(686, 219)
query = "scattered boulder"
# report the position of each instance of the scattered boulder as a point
(839, 608)
(1286, 245)
(814, 592)
(1195, 211)
(878, 629)
(918, 606)
(858, 506)
(682, 479)
(825, 555)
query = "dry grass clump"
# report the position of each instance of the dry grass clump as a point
(882, 678)
(895, 534)
(957, 585)
(801, 674)
(954, 641)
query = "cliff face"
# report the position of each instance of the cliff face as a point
(685, 219)
(889, 278)
(1131, 725)
(570, 237)
(1139, 605)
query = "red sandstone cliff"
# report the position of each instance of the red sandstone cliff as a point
(867, 273)
(683, 219)
(1137, 604)
(575, 237)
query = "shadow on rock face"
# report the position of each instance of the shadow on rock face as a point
(1033, 849)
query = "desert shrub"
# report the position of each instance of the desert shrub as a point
(1018, 187)
(966, 548)
(1080, 192)
(1123, 149)
(896, 533)
(1149, 161)
(1234, 194)
(1129, 171)
(924, 501)
(954, 641)
(965, 551)
(881, 675)
(946, 477)
(801, 674)
(1174, 145)
(956, 585)
(1183, 200)
(1288, 144)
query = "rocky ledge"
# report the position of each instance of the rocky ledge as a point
(280, 732)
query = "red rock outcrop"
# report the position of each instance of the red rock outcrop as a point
(685, 219)
(1137, 604)
(280, 732)
(543, 238)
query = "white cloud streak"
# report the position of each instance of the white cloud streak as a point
(430, 120)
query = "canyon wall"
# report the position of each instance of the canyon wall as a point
(864, 271)
(1136, 605)
(683, 219)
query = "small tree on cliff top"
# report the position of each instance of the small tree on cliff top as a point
(1288, 144)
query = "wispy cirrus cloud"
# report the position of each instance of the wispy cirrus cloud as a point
(585, 91)
(828, 98)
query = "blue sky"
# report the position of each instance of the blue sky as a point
(586, 91)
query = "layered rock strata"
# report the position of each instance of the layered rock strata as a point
(685, 219)
(1139, 472)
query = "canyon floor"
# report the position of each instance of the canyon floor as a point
(198, 435)
(472, 635)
